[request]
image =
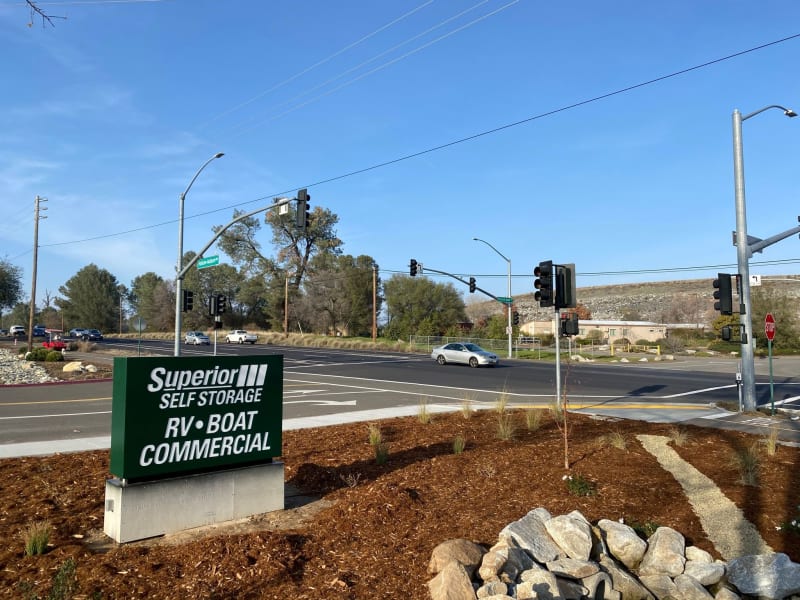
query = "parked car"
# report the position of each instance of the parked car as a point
(91, 335)
(196, 337)
(39, 331)
(3, 331)
(16, 331)
(54, 340)
(76, 332)
(467, 354)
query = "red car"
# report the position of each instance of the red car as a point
(54, 340)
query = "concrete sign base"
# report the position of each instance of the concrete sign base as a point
(142, 510)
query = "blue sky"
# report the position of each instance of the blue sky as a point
(110, 113)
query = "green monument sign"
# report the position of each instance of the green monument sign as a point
(180, 415)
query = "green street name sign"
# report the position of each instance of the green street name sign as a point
(208, 261)
(179, 415)
(505, 299)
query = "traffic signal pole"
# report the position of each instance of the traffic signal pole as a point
(182, 273)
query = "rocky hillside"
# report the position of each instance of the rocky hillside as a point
(684, 301)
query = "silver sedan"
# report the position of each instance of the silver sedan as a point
(196, 337)
(467, 354)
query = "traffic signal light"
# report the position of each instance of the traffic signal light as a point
(302, 216)
(472, 285)
(413, 268)
(723, 294)
(188, 300)
(569, 323)
(222, 302)
(212, 305)
(544, 283)
(515, 318)
(565, 286)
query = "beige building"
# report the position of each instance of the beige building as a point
(611, 331)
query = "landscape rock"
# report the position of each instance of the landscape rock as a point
(772, 576)
(452, 583)
(465, 552)
(572, 534)
(530, 534)
(623, 542)
(668, 570)
(690, 589)
(665, 553)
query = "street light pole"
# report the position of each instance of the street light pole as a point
(178, 276)
(508, 306)
(743, 256)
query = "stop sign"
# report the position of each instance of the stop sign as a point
(769, 326)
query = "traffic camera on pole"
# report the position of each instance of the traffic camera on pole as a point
(412, 268)
(723, 293)
(544, 283)
(302, 216)
(472, 285)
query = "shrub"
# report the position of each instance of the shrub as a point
(458, 444)
(646, 529)
(37, 354)
(54, 356)
(579, 485)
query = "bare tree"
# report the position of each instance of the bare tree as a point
(46, 19)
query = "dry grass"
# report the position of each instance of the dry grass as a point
(748, 462)
(424, 415)
(679, 436)
(36, 537)
(374, 434)
(614, 439)
(771, 442)
(533, 419)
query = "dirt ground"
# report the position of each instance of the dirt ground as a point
(356, 529)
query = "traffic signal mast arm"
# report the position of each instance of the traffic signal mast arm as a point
(199, 255)
(755, 244)
(466, 283)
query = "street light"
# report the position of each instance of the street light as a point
(508, 306)
(743, 256)
(178, 277)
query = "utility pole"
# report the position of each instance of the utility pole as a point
(32, 310)
(374, 302)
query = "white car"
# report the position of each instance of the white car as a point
(196, 337)
(16, 331)
(240, 336)
(465, 354)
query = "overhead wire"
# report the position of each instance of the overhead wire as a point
(319, 63)
(474, 136)
(248, 125)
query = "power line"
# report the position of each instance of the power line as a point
(318, 63)
(453, 142)
(381, 66)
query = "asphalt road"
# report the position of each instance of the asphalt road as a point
(326, 386)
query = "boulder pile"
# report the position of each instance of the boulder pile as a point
(541, 557)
